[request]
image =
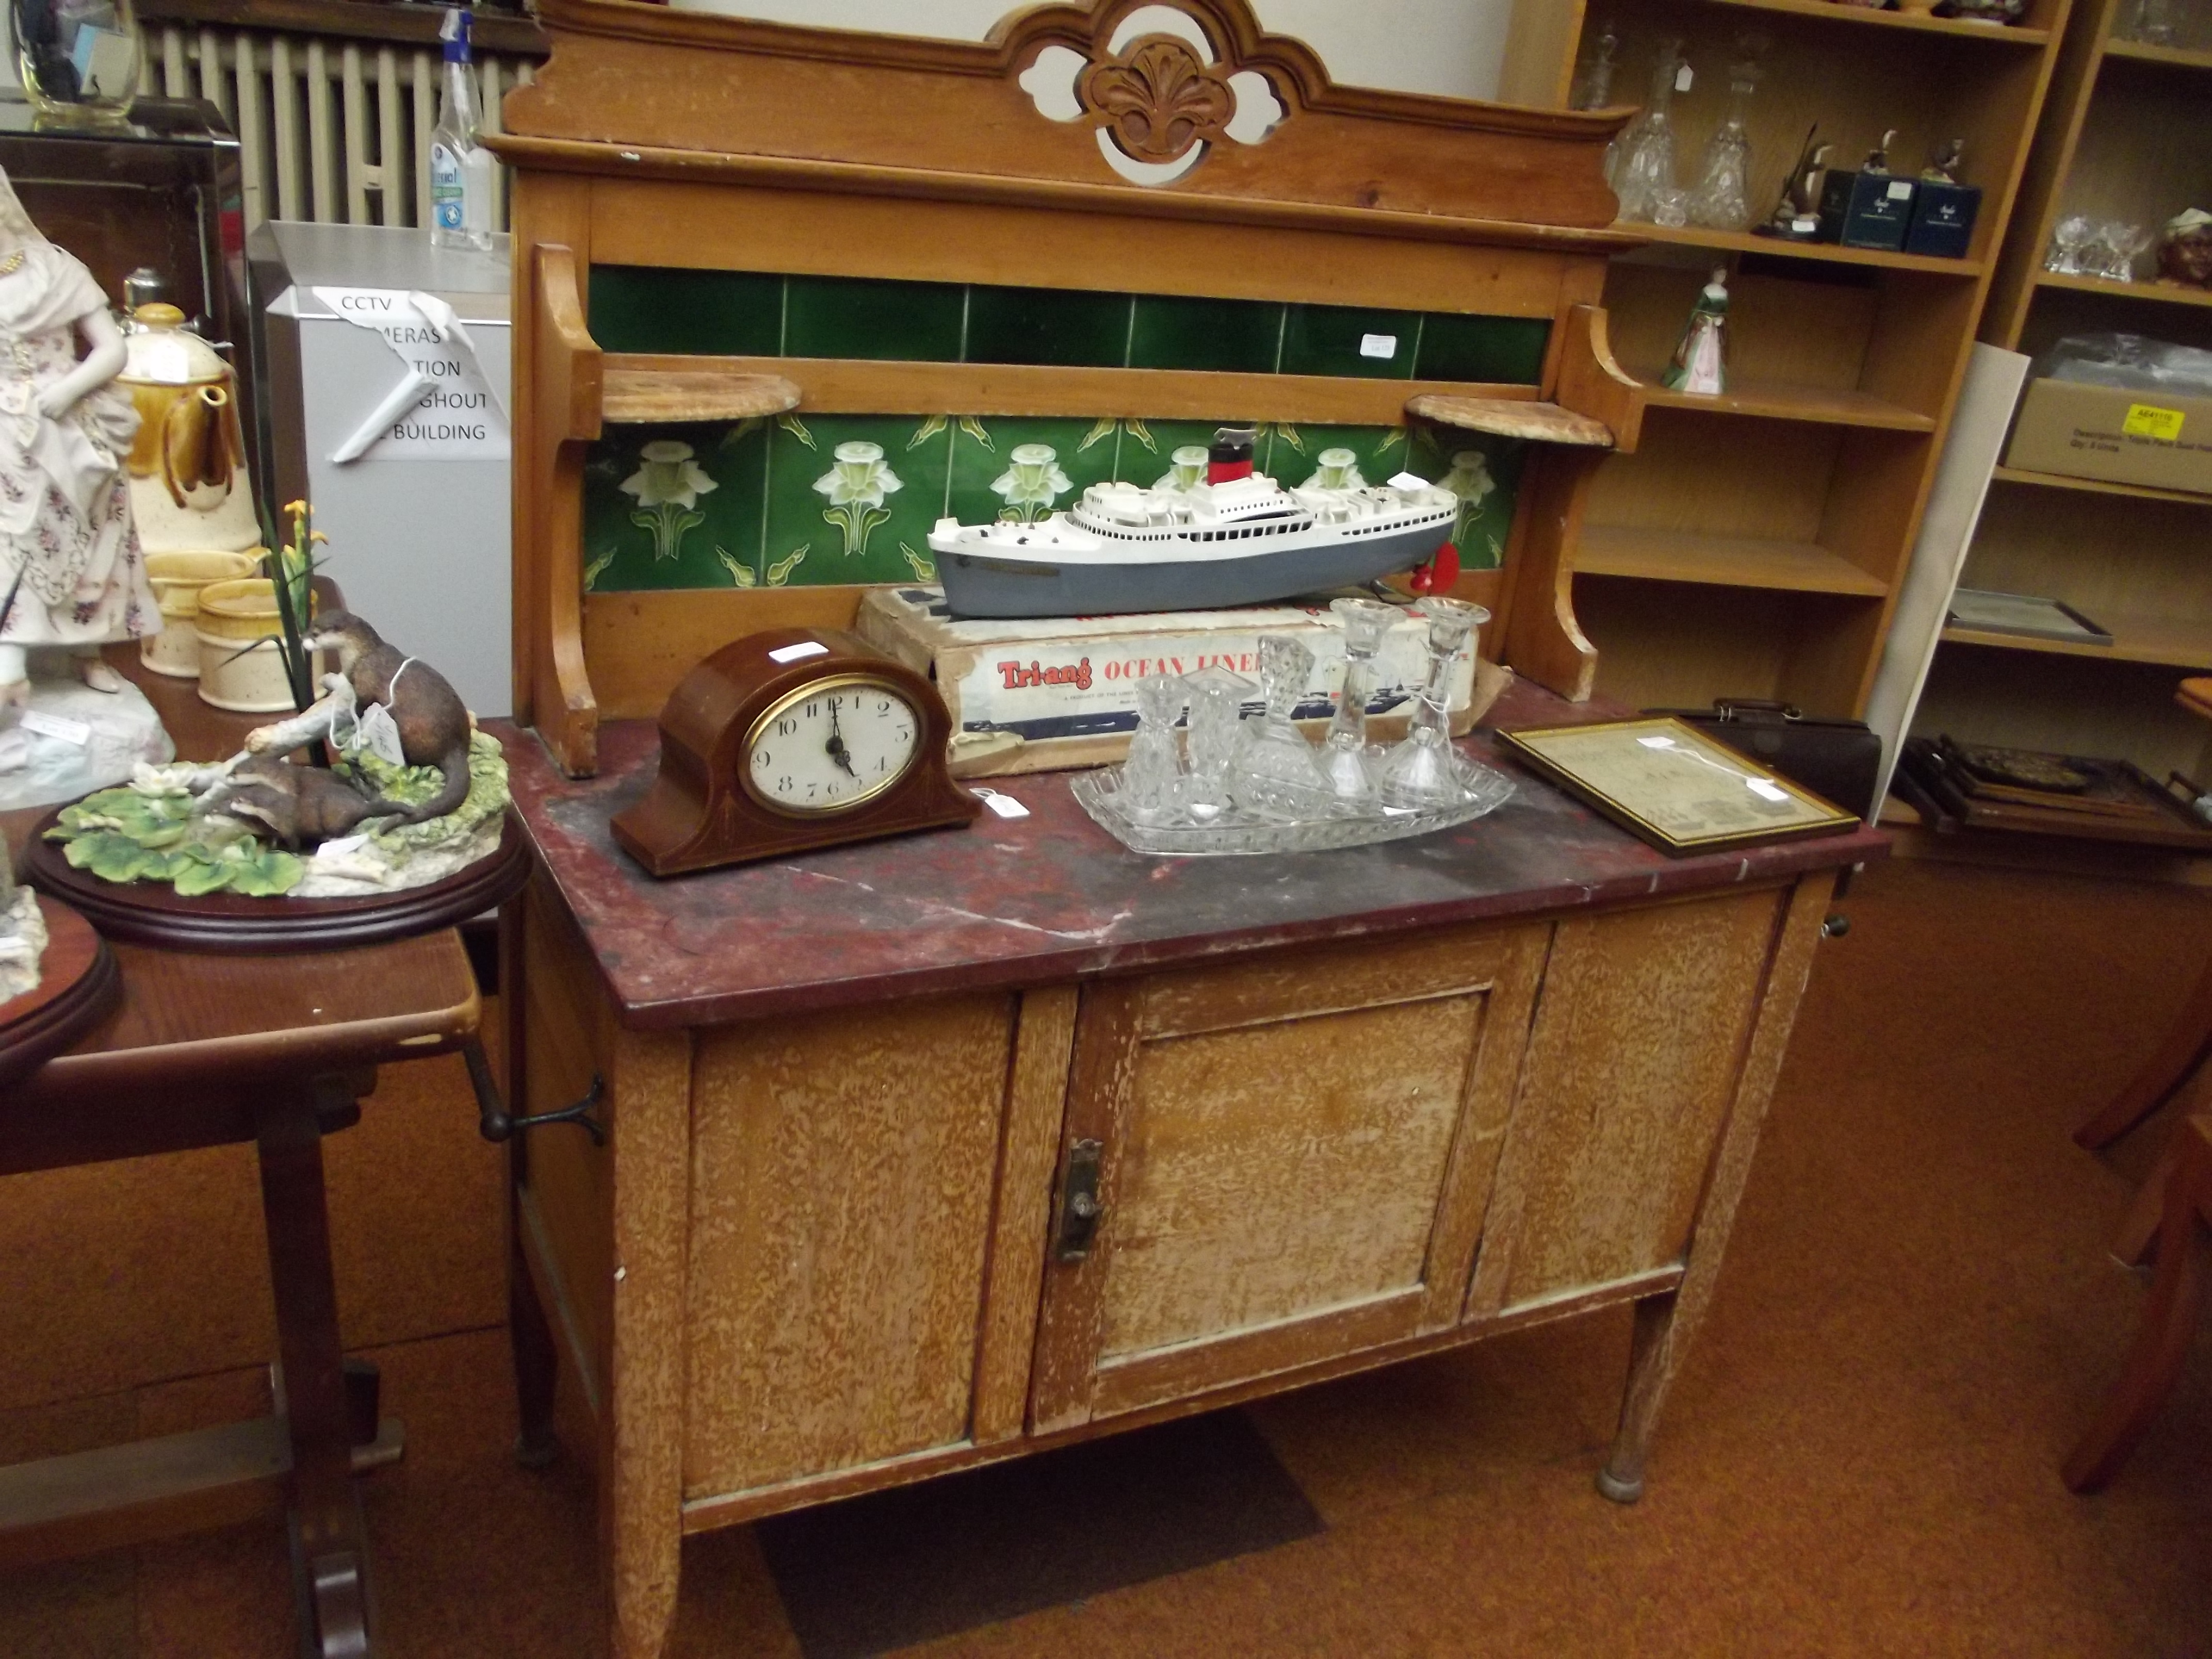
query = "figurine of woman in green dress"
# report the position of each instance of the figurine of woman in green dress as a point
(1700, 362)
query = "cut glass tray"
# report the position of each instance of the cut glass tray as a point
(1240, 829)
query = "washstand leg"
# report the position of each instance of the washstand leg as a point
(331, 1565)
(2187, 1046)
(536, 1357)
(1650, 1368)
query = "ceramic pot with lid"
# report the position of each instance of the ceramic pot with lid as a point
(190, 491)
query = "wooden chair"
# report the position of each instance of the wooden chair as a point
(2181, 1060)
(2169, 1322)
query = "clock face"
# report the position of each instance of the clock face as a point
(830, 746)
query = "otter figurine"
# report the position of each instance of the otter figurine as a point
(433, 723)
(301, 806)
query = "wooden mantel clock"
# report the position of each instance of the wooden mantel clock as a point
(789, 740)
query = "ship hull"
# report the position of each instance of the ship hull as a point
(985, 585)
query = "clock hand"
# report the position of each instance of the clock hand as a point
(836, 743)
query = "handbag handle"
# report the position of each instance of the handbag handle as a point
(1727, 708)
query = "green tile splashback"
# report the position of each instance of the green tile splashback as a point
(730, 313)
(851, 498)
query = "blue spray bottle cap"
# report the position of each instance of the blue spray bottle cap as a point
(454, 32)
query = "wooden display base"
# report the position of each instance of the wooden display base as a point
(78, 985)
(232, 924)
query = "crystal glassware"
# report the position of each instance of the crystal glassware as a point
(1646, 164)
(1154, 769)
(1344, 750)
(1593, 88)
(2070, 240)
(2149, 23)
(1423, 770)
(1217, 704)
(78, 58)
(1722, 198)
(1277, 770)
(2122, 244)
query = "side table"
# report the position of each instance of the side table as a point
(209, 1050)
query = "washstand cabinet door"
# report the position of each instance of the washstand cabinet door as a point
(1270, 1163)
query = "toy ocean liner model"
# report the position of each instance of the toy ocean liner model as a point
(1233, 537)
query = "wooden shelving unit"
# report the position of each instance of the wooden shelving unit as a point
(2123, 135)
(1754, 543)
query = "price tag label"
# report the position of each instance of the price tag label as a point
(56, 725)
(1682, 78)
(2148, 421)
(1378, 345)
(1005, 805)
(798, 652)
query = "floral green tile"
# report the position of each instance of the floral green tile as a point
(674, 507)
(1064, 327)
(736, 313)
(1226, 336)
(1455, 346)
(1374, 345)
(1027, 468)
(856, 317)
(1148, 447)
(1485, 472)
(852, 498)
(1338, 456)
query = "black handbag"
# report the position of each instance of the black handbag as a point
(1837, 760)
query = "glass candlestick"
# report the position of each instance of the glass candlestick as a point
(1424, 769)
(1593, 88)
(1217, 704)
(1150, 774)
(1343, 751)
(1277, 770)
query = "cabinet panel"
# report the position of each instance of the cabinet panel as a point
(1631, 1064)
(842, 1176)
(1293, 1159)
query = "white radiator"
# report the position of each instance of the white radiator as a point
(335, 132)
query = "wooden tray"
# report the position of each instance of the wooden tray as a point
(78, 985)
(232, 924)
(2135, 809)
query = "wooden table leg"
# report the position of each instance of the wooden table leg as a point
(2169, 1321)
(1651, 1358)
(2186, 1047)
(331, 1560)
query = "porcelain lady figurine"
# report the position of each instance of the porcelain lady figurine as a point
(67, 545)
(1700, 362)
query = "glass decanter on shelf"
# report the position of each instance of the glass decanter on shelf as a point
(1721, 198)
(1217, 704)
(1425, 770)
(1276, 769)
(1152, 774)
(1344, 757)
(1593, 88)
(2149, 23)
(1646, 166)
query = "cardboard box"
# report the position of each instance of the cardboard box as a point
(1037, 695)
(1865, 209)
(2114, 433)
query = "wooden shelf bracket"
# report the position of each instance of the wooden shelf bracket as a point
(566, 411)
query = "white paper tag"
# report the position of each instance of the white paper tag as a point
(1682, 78)
(1005, 805)
(56, 725)
(340, 847)
(798, 652)
(1901, 190)
(1378, 345)
(1804, 224)
(1766, 789)
(377, 732)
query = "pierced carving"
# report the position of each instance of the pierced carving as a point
(1158, 99)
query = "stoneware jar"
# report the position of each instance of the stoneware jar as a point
(177, 580)
(241, 661)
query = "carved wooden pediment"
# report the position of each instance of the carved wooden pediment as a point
(1174, 98)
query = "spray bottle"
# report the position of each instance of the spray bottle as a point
(460, 169)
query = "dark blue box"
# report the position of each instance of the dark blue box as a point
(1866, 209)
(1943, 219)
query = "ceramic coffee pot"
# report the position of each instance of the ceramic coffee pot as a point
(189, 487)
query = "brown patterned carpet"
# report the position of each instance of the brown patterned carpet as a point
(1916, 1317)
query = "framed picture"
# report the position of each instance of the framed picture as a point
(1678, 789)
(1986, 611)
